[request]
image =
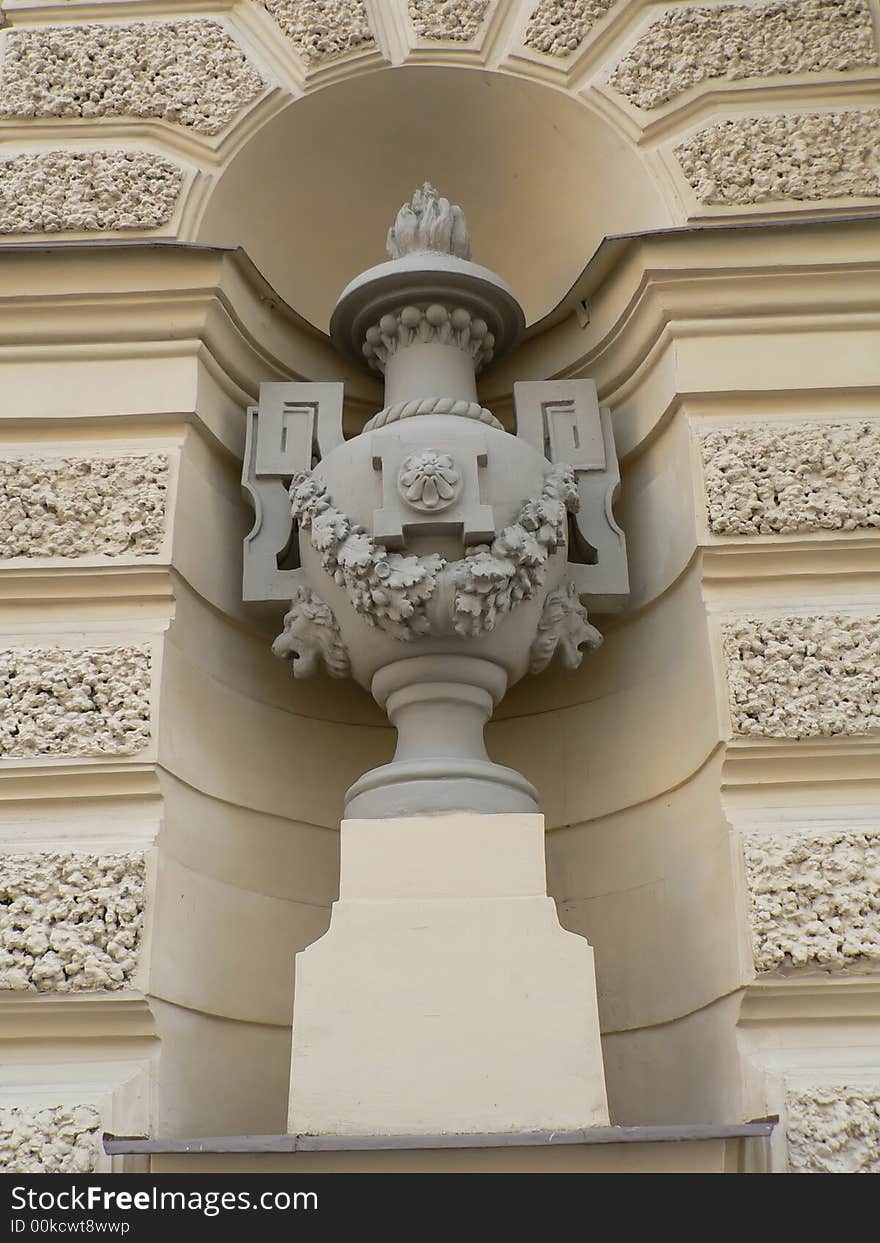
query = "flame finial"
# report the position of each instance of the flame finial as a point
(429, 223)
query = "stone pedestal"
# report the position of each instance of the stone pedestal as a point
(445, 997)
(439, 706)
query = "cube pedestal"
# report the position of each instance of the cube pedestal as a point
(445, 997)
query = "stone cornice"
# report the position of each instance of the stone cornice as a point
(162, 298)
(833, 562)
(125, 1015)
(810, 1000)
(816, 242)
(753, 768)
(641, 299)
(69, 782)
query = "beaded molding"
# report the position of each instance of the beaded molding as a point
(413, 325)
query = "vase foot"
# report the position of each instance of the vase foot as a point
(439, 706)
(409, 788)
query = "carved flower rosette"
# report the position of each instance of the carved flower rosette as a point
(429, 481)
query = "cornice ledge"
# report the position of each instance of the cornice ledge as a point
(753, 765)
(635, 285)
(46, 1017)
(79, 294)
(734, 563)
(67, 781)
(84, 580)
(814, 997)
(614, 251)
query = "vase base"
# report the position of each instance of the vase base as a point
(418, 788)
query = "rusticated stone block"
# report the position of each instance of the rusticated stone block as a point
(49, 1139)
(80, 507)
(802, 157)
(781, 479)
(321, 30)
(803, 677)
(70, 922)
(74, 702)
(453, 20)
(559, 27)
(690, 45)
(86, 191)
(815, 900)
(834, 1129)
(188, 72)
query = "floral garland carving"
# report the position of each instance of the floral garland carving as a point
(388, 589)
(493, 578)
(392, 590)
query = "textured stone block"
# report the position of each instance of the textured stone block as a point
(80, 507)
(834, 1130)
(803, 157)
(86, 191)
(74, 702)
(775, 479)
(49, 1139)
(687, 46)
(321, 30)
(70, 922)
(188, 72)
(454, 20)
(803, 677)
(559, 27)
(814, 901)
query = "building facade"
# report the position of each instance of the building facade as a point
(685, 198)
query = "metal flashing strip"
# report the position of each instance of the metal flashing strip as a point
(130, 1145)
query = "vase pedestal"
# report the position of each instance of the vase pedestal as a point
(439, 706)
(445, 998)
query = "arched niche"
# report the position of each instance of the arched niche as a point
(542, 179)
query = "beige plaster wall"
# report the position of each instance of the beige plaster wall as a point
(731, 903)
(708, 775)
(138, 693)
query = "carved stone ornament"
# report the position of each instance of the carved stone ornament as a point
(563, 628)
(429, 223)
(435, 558)
(392, 590)
(434, 324)
(429, 481)
(310, 638)
(433, 405)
